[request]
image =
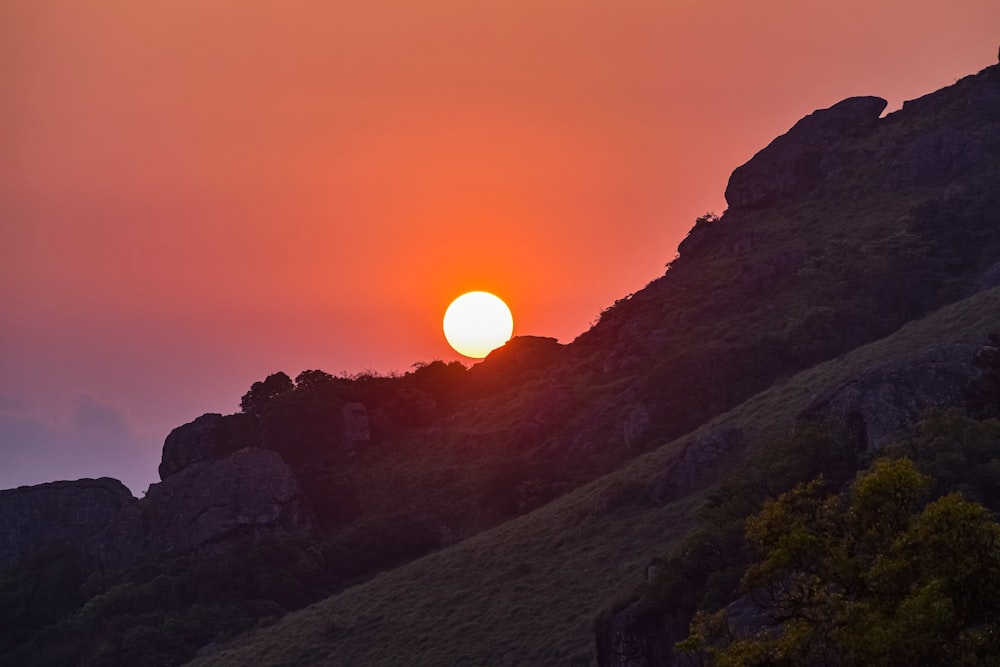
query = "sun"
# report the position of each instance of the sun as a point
(477, 323)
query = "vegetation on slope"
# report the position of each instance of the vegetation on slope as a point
(875, 575)
(714, 565)
(526, 591)
(900, 227)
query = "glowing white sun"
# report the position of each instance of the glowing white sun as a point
(477, 323)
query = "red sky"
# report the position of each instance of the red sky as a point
(196, 194)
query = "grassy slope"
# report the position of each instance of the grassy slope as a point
(526, 592)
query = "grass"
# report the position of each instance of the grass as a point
(526, 592)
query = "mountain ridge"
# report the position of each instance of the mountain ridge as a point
(606, 509)
(845, 231)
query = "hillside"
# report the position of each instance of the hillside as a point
(526, 592)
(490, 515)
(838, 233)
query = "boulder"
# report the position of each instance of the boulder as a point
(749, 618)
(793, 163)
(635, 636)
(886, 401)
(357, 433)
(698, 466)
(210, 436)
(190, 443)
(34, 517)
(521, 357)
(209, 507)
(988, 279)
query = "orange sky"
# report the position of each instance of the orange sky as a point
(195, 194)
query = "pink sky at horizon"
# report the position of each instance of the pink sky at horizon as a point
(194, 195)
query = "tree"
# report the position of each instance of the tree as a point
(255, 401)
(869, 577)
(313, 379)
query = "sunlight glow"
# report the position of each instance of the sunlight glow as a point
(477, 323)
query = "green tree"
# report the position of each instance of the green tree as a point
(870, 577)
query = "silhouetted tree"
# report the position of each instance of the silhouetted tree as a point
(255, 401)
(313, 379)
(443, 381)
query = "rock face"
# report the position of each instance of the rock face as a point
(636, 424)
(886, 401)
(520, 358)
(207, 507)
(357, 434)
(210, 436)
(748, 618)
(988, 279)
(938, 157)
(794, 162)
(33, 517)
(190, 443)
(634, 637)
(697, 466)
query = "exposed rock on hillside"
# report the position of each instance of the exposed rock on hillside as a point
(33, 517)
(698, 465)
(887, 400)
(794, 162)
(634, 637)
(520, 358)
(938, 157)
(988, 279)
(210, 436)
(356, 431)
(190, 443)
(207, 506)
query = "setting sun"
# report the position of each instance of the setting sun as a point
(477, 323)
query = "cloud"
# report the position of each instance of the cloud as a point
(101, 419)
(89, 438)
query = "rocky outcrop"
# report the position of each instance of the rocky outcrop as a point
(634, 637)
(636, 425)
(748, 618)
(698, 466)
(794, 162)
(988, 279)
(887, 400)
(210, 436)
(357, 434)
(187, 444)
(208, 507)
(937, 157)
(958, 138)
(522, 357)
(73, 513)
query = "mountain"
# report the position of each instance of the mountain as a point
(490, 515)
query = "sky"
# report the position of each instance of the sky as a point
(194, 195)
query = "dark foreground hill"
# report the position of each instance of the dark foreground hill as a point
(527, 592)
(850, 241)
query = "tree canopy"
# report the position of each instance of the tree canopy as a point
(873, 576)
